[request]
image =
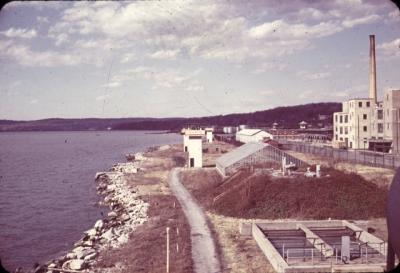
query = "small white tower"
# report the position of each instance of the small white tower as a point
(185, 140)
(195, 147)
(209, 134)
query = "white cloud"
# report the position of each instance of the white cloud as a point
(195, 88)
(26, 57)
(313, 76)
(393, 16)
(349, 23)
(112, 84)
(20, 33)
(128, 57)
(234, 32)
(279, 29)
(103, 97)
(264, 67)
(390, 49)
(164, 54)
(42, 19)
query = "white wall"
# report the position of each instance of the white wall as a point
(253, 138)
(195, 149)
(209, 136)
(185, 142)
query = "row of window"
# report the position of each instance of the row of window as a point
(346, 129)
(364, 117)
(360, 104)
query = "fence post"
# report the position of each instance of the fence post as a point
(393, 161)
(167, 249)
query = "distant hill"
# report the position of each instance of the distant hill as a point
(287, 117)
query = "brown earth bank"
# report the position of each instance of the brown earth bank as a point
(146, 248)
(259, 195)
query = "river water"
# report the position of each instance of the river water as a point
(47, 190)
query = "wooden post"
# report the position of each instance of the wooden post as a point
(167, 249)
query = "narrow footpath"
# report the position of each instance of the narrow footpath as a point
(204, 254)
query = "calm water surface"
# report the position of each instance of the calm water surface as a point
(47, 188)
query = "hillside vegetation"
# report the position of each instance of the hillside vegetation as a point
(338, 196)
(288, 117)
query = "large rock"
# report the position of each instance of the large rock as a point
(99, 224)
(108, 235)
(91, 232)
(76, 264)
(112, 214)
(90, 256)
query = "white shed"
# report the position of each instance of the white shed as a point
(209, 134)
(252, 135)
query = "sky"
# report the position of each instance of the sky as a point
(111, 59)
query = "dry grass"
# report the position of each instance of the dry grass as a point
(146, 248)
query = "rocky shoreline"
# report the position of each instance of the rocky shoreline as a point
(127, 211)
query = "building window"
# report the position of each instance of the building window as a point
(380, 114)
(336, 118)
(364, 128)
(368, 103)
(346, 130)
(380, 127)
(336, 137)
(360, 104)
(364, 116)
(341, 119)
(346, 118)
(341, 130)
(335, 128)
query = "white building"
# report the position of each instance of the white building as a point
(252, 135)
(185, 140)
(303, 125)
(209, 134)
(229, 130)
(194, 147)
(365, 123)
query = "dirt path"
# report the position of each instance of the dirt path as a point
(204, 254)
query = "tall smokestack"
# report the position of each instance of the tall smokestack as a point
(372, 68)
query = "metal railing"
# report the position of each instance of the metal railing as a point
(364, 157)
(366, 252)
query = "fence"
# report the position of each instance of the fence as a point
(364, 157)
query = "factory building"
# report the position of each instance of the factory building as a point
(365, 123)
(252, 135)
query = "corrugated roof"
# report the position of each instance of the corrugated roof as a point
(249, 132)
(240, 153)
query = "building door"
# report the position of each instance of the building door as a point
(347, 142)
(191, 162)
